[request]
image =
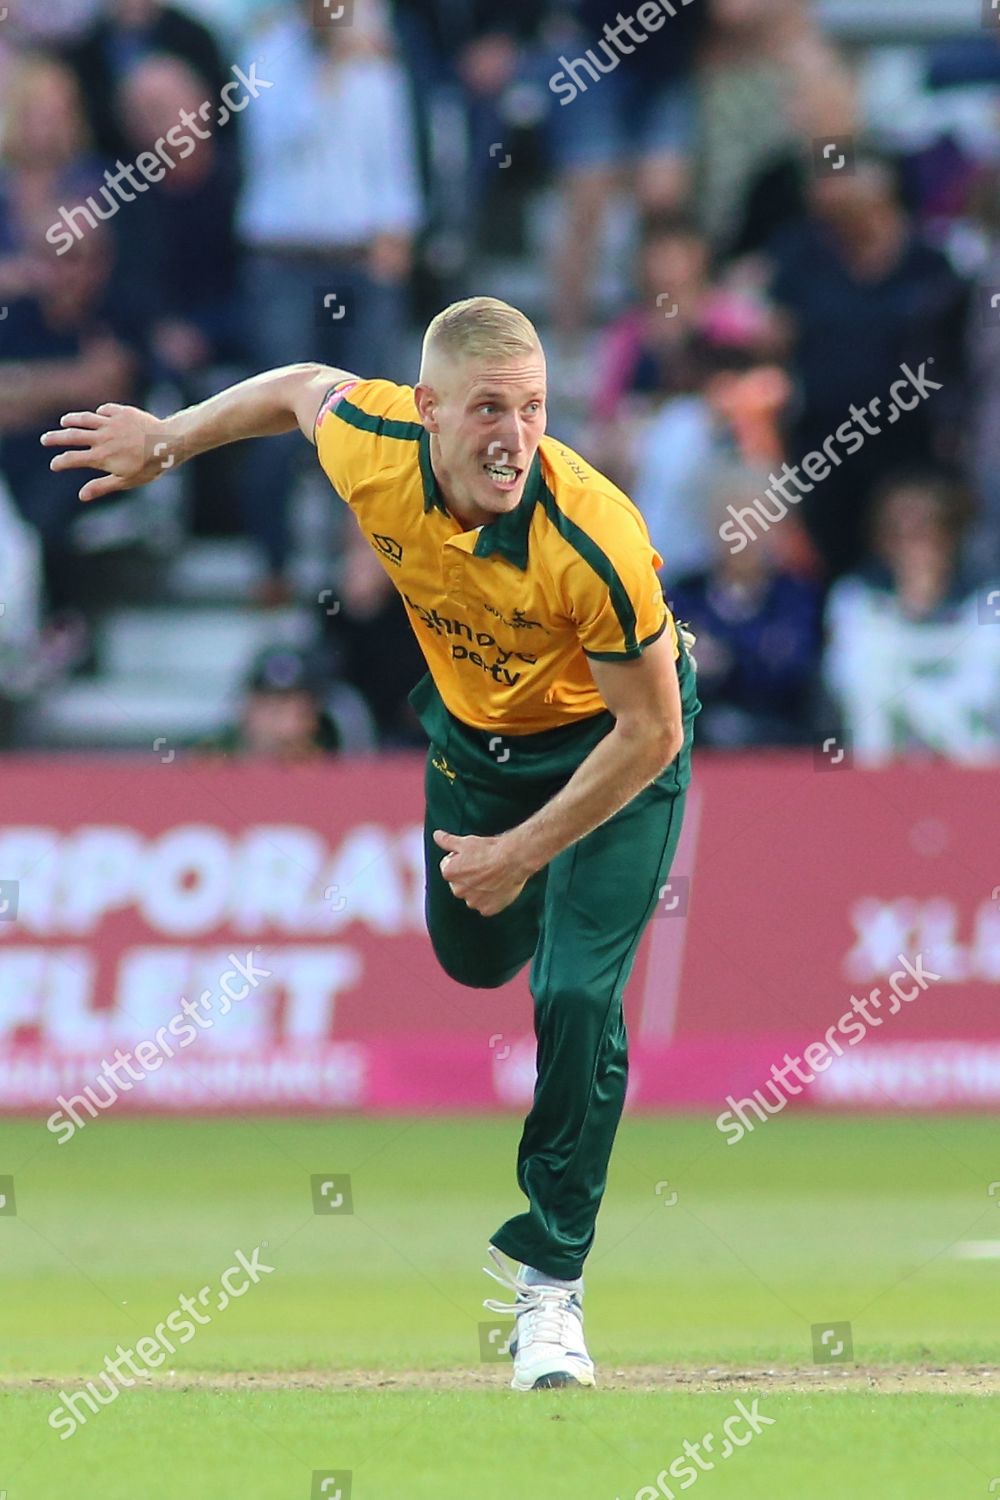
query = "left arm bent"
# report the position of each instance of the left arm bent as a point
(644, 696)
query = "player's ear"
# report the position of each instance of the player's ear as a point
(427, 405)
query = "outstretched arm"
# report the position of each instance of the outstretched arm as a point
(132, 447)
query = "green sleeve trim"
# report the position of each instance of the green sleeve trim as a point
(368, 422)
(632, 652)
(602, 565)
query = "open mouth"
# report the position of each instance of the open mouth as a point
(504, 476)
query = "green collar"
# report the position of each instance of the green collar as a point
(508, 534)
(432, 494)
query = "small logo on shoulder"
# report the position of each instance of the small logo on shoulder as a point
(390, 549)
(336, 394)
(574, 465)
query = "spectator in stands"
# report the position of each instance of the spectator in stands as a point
(863, 295)
(58, 349)
(48, 22)
(126, 32)
(58, 352)
(329, 211)
(464, 62)
(377, 651)
(937, 108)
(653, 348)
(21, 591)
(665, 344)
(913, 659)
(656, 349)
(733, 415)
(619, 109)
(178, 272)
(475, 44)
(757, 629)
(771, 87)
(282, 715)
(980, 422)
(46, 159)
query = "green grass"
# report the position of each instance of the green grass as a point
(457, 1445)
(807, 1220)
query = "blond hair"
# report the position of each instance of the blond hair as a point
(480, 328)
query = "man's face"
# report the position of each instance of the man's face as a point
(153, 96)
(279, 725)
(911, 530)
(135, 12)
(488, 418)
(678, 262)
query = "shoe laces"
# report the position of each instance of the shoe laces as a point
(546, 1314)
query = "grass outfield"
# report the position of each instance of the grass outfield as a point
(360, 1351)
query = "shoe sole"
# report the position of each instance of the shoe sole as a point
(558, 1379)
(554, 1380)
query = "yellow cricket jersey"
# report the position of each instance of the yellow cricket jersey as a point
(508, 613)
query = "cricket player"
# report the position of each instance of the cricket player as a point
(558, 701)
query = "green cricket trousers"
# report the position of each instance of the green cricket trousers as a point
(579, 921)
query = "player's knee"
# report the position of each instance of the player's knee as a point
(477, 976)
(475, 971)
(485, 979)
(588, 1001)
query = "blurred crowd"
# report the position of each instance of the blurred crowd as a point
(793, 366)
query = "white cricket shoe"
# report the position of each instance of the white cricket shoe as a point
(548, 1344)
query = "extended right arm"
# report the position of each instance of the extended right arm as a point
(131, 447)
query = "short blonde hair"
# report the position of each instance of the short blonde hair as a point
(482, 328)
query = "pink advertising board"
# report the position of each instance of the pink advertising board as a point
(292, 900)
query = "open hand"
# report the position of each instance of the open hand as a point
(130, 447)
(480, 871)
